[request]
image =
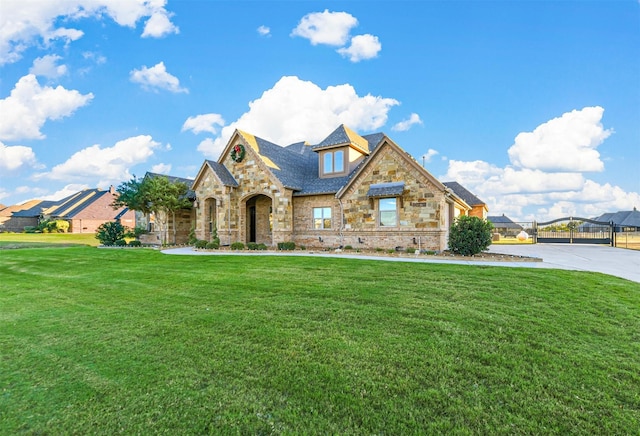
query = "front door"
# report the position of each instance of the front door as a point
(252, 224)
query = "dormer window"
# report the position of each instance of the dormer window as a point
(333, 162)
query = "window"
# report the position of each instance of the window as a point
(321, 218)
(387, 208)
(333, 162)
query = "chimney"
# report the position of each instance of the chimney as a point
(112, 190)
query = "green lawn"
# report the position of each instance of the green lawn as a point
(108, 341)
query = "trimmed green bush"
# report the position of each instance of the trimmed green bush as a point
(237, 246)
(286, 245)
(213, 245)
(201, 243)
(135, 243)
(262, 247)
(120, 243)
(252, 245)
(469, 235)
(110, 232)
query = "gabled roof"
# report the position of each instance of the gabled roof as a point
(222, 172)
(27, 205)
(35, 209)
(463, 193)
(503, 222)
(629, 218)
(70, 206)
(344, 136)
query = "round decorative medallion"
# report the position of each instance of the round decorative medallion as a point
(237, 152)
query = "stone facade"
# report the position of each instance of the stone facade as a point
(271, 194)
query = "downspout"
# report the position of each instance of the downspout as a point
(340, 231)
(229, 216)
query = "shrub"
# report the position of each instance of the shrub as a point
(135, 243)
(469, 235)
(348, 247)
(286, 245)
(262, 247)
(192, 236)
(120, 243)
(201, 243)
(237, 246)
(213, 245)
(110, 232)
(252, 245)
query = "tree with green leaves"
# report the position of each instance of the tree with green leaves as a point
(154, 194)
(469, 235)
(110, 232)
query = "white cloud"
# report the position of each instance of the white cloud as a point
(429, 155)
(362, 47)
(68, 190)
(159, 25)
(109, 165)
(331, 28)
(13, 158)
(203, 123)
(24, 23)
(46, 66)
(155, 78)
(30, 105)
(405, 125)
(297, 110)
(567, 143)
(210, 148)
(161, 168)
(537, 186)
(264, 31)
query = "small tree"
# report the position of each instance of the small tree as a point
(154, 194)
(110, 232)
(469, 235)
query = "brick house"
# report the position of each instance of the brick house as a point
(478, 207)
(85, 211)
(362, 191)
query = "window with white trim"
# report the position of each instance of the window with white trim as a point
(321, 218)
(388, 212)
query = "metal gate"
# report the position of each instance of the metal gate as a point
(574, 230)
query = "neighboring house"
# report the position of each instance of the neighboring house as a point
(85, 211)
(504, 226)
(478, 207)
(624, 221)
(362, 191)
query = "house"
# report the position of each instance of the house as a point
(361, 191)
(623, 221)
(85, 211)
(504, 226)
(478, 207)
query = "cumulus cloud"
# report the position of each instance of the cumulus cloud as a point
(211, 148)
(362, 47)
(155, 78)
(159, 25)
(14, 158)
(297, 110)
(566, 143)
(25, 23)
(161, 168)
(429, 155)
(264, 31)
(405, 125)
(108, 165)
(30, 105)
(47, 66)
(203, 123)
(545, 179)
(331, 28)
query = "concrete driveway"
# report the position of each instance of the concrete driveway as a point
(617, 262)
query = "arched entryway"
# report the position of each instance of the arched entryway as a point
(259, 219)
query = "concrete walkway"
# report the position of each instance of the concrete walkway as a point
(617, 262)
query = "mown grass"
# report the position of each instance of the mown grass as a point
(97, 341)
(39, 240)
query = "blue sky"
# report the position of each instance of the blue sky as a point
(534, 106)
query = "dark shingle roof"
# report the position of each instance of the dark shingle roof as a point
(35, 210)
(223, 173)
(296, 165)
(629, 218)
(463, 193)
(503, 222)
(385, 189)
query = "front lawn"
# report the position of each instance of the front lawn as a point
(139, 342)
